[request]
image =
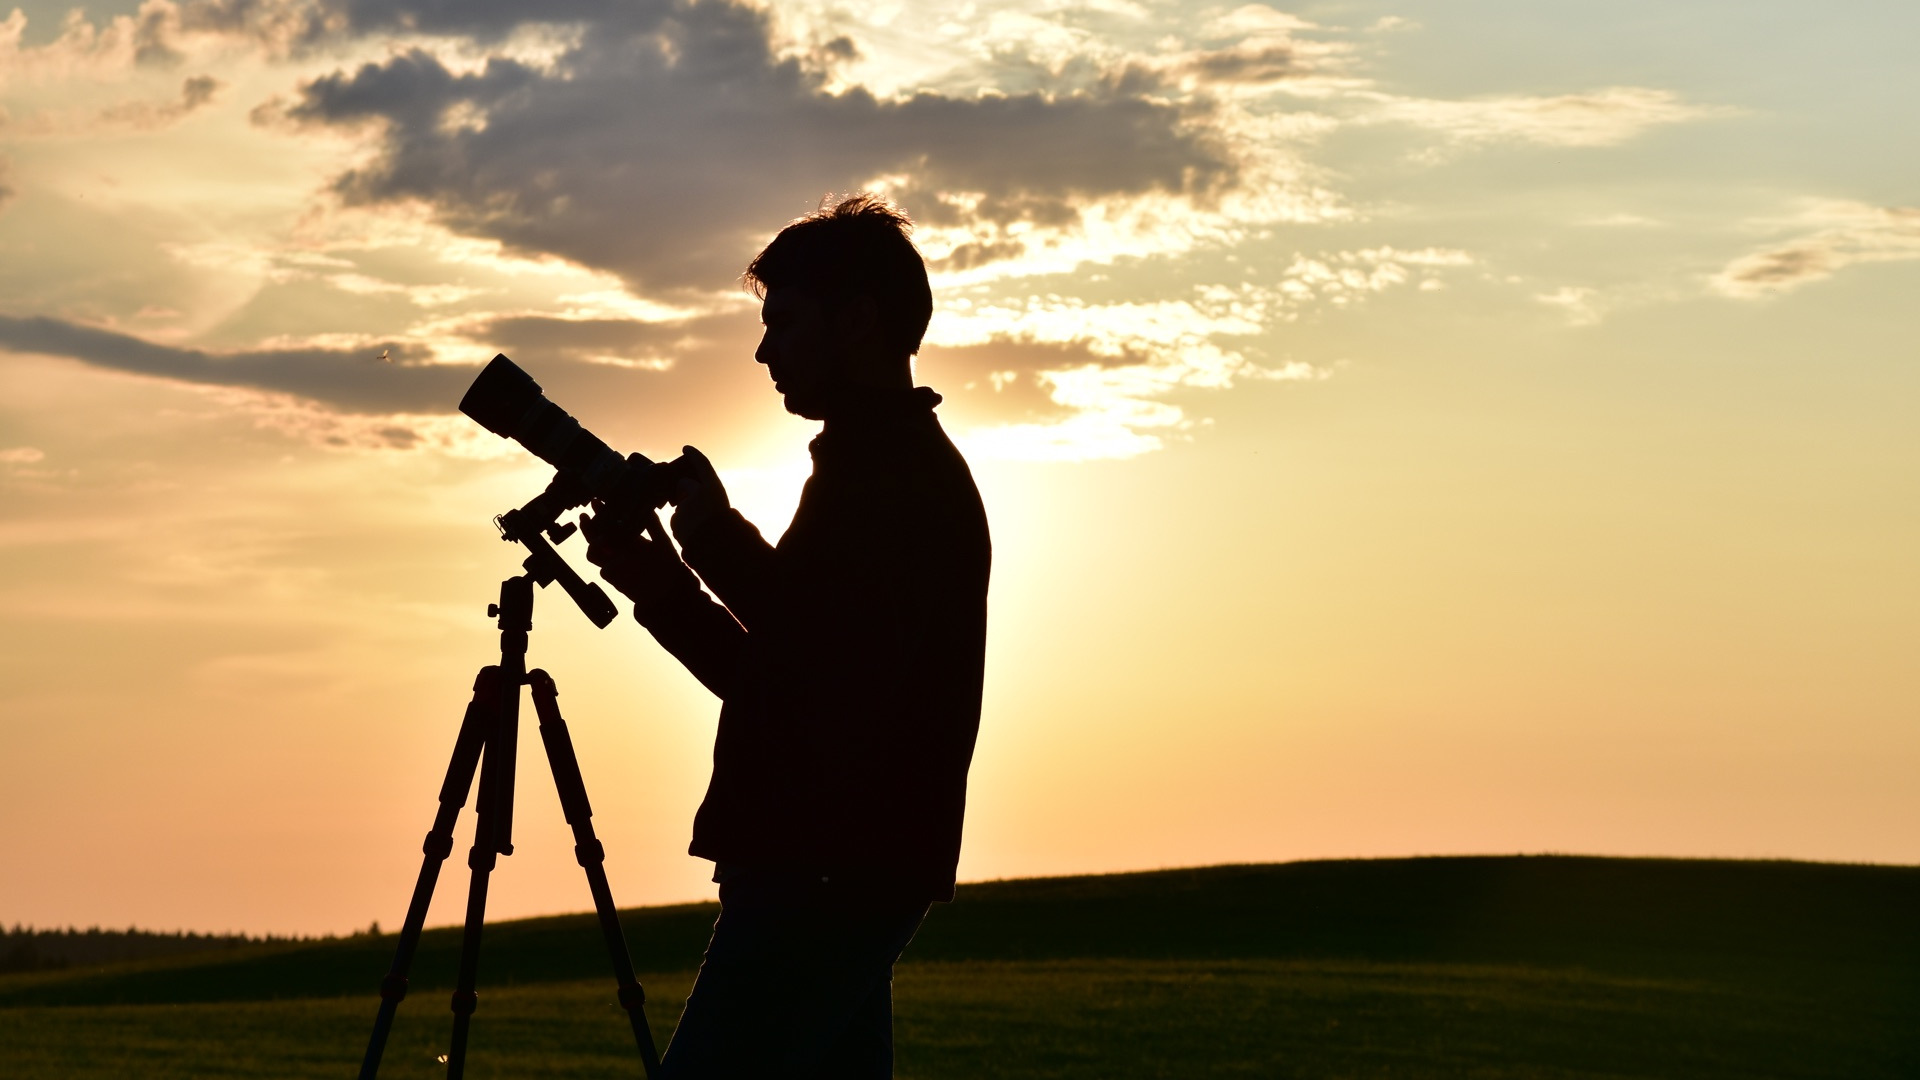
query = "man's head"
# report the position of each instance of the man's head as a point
(845, 301)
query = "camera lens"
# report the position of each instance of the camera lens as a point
(501, 397)
(506, 401)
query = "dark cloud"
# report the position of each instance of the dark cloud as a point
(197, 91)
(969, 255)
(194, 92)
(348, 380)
(668, 143)
(713, 372)
(480, 20)
(1787, 266)
(1253, 63)
(712, 375)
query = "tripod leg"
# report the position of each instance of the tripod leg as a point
(592, 857)
(453, 795)
(495, 811)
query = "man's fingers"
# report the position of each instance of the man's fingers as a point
(697, 468)
(699, 495)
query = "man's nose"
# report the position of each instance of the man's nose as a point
(763, 354)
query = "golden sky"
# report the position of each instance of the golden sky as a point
(1480, 427)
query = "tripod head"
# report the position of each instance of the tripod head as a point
(506, 401)
(532, 526)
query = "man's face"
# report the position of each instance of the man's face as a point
(802, 350)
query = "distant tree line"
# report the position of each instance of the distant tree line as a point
(28, 949)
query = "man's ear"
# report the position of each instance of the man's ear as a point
(857, 320)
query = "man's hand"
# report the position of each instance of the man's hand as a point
(644, 569)
(699, 497)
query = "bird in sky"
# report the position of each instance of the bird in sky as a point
(384, 358)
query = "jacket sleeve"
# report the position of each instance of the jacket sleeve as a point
(737, 563)
(698, 632)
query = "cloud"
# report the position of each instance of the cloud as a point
(147, 116)
(1106, 368)
(346, 379)
(1619, 220)
(1576, 301)
(1842, 234)
(1251, 62)
(160, 34)
(669, 139)
(999, 382)
(1250, 46)
(140, 114)
(632, 155)
(1603, 117)
(615, 342)
(614, 375)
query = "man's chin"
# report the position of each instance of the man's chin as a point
(804, 404)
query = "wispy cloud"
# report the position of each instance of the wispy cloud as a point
(1603, 117)
(160, 34)
(196, 91)
(338, 377)
(1132, 355)
(1837, 234)
(1578, 302)
(139, 114)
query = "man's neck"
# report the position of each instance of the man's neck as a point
(890, 373)
(860, 405)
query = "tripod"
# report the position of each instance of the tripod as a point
(492, 725)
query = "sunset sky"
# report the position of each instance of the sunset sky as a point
(1412, 428)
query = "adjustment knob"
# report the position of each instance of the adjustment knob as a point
(493, 611)
(559, 531)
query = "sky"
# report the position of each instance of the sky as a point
(1408, 428)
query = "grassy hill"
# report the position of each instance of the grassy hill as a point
(1524, 966)
(28, 949)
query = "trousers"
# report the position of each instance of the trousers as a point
(797, 981)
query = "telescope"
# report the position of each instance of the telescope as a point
(626, 493)
(506, 401)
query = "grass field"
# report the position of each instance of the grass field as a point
(1455, 967)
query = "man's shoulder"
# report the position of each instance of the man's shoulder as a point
(939, 473)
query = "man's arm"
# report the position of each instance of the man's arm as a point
(699, 633)
(667, 601)
(725, 549)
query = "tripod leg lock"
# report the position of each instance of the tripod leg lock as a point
(393, 988)
(438, 845)
(588, 852)
(464, 1002)
(632, 996)
(479, 858)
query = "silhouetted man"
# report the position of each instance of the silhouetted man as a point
(848, 660)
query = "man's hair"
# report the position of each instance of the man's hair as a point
(860, 245)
